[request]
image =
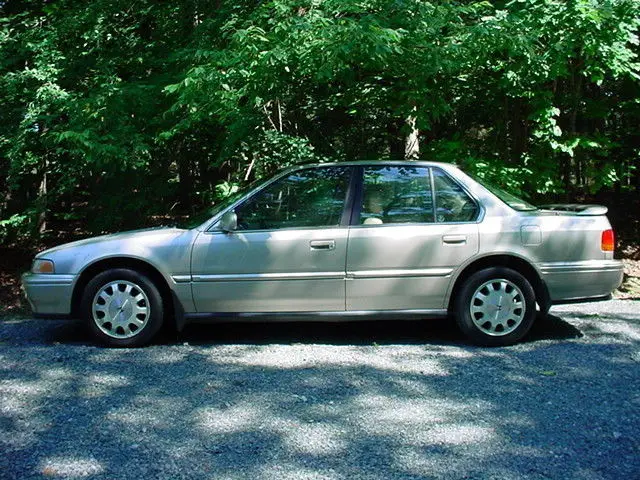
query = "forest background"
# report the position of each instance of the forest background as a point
(117, 114)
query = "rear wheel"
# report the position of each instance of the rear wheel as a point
(495, 307)
(122, 308)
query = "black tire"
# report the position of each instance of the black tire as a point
(504, 316)
(127, 329)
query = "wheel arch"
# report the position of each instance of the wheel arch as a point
(513, 262)
(132, 263)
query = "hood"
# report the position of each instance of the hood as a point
(142, 235)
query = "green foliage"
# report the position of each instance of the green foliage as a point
(112, 112)
(272, 150)
(226, 189)
(16, 227)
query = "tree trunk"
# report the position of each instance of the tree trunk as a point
(395, 140)
(519, 130)
(412, 141)
(42, 200)
(185, 185)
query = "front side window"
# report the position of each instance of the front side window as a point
(452, 202)
(311, 197)
(394, 194)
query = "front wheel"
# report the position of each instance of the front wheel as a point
(122, 308)
(495, 307)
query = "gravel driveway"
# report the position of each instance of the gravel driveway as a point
(335, 401)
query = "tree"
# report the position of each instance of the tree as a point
(113, 111)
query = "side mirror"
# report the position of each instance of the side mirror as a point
(228, 222)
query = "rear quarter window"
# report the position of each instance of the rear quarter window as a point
(453, 204)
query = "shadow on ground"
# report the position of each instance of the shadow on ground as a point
(427, 332)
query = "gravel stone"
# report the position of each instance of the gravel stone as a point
(384, 400)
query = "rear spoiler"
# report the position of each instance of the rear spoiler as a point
(576, 208)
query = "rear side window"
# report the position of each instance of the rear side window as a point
(396, 194)
(405, 194)
(452, 202)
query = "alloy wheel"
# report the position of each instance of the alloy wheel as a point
(497, 307)
(121, 309)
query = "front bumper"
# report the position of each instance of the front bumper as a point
(569, 281)
(49, 294)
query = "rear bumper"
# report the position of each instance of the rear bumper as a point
(585, 280)
(49, 294)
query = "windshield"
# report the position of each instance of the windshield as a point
(200, 217)
(514, 202)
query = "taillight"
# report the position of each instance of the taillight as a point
(608, 241)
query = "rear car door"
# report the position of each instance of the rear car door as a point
(411, 228)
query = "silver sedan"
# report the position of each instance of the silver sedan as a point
(344, 241)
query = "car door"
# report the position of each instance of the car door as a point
(288, 252)
(404, 241)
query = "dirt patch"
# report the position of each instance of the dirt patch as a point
(630, 288)
(14, 261)
(631, 267)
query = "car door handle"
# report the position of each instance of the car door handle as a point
(454, 239)
(322, 244)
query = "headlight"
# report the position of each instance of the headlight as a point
(40, 265)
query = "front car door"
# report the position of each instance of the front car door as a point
(405, 241)
(288, 252)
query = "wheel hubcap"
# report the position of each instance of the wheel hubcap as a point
(497, 307)
(121, 309)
